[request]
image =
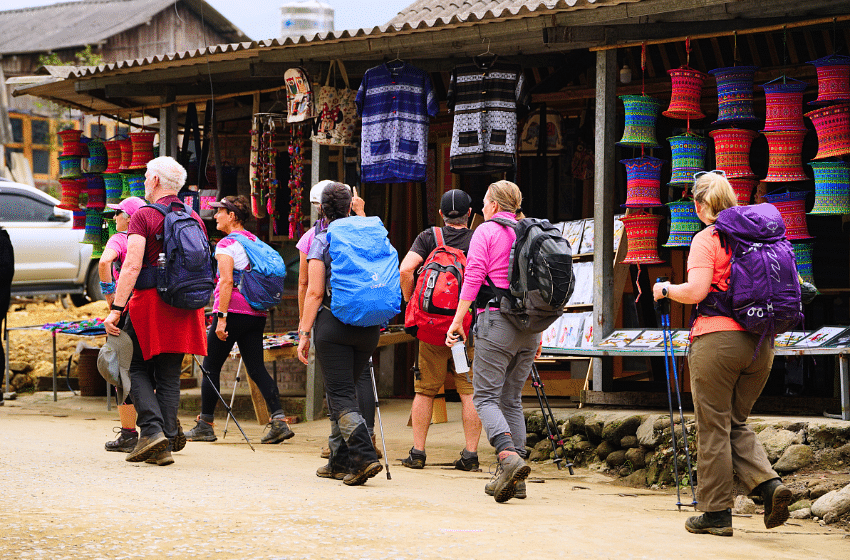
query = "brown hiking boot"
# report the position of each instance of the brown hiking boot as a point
(366, 472)
(147, 446)
(377, 449)
(330, 471)
(712, 522)
(776, 498)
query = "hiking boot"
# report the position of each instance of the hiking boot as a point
(512, 470)
(125, 442)
(331, 471)
(712, 522)
(520, 493)
(377, 449)
(147, 446)
(162, 458)
(278, 431)
(363, 474)
(467, 463)
(178, 442)
(776, 498)
(203, 431)
(414, 460)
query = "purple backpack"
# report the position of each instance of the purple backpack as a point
(764, 288)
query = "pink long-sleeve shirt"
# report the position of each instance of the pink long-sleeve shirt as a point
(489, 255)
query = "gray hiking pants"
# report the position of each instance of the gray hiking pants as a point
(502, 364)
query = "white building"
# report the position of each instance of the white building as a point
(306, 17)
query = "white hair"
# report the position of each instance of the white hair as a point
(171, 174)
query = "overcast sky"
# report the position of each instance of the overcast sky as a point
(260, 19)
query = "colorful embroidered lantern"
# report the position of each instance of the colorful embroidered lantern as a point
(684, 223)
(137, 185)
(734, 93)
(142, 148)
(114, 187)
(642, 236)
(833, 127)
(95, 191)
(743, 189)
(69, 167)
(643, 182)
(641, 116)
(687, 93)
(792, 207)
(113, 156)
(126, 155)
(688, 157)
(94, 218)
(97, 160)
(732, 151)
(832, 187)
(70, 194)
(79, 221)
(784, 104)
(833, 79)
(71, 145)
(803, 256)
(785, 161)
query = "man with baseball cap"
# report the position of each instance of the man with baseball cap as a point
(434, 359)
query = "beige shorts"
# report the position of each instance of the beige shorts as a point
(435, 365)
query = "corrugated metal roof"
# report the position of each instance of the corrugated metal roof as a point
(431, 11)
(89, 22)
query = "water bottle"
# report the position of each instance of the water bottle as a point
(459, 357)
(161, 272)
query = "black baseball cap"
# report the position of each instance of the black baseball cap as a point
(455, 203)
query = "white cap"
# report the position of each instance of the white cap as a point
(318, 188)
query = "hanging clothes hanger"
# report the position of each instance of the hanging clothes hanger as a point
(486, 58)
(395, 63)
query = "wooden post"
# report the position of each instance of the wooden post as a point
(168, 126)
(603, 212)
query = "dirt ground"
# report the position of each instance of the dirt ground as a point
(64, 497)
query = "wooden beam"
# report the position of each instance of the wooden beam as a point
(793, 57)
(754, 50)
(775, 59)
(718, 53)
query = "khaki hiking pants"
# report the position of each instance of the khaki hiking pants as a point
(726, 382)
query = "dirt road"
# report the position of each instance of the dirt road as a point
(63, 497)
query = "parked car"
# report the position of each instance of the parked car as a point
(49, 258)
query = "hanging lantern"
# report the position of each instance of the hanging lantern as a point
(71, 144)
(95, 191)
(70, 194)
(643, 182)
(114, 187)
(94, 218)
(792, 207)
(142, 148)
(688, 157)
(832, 187)
(743, 189)
(833, 127)
(785, 161)
(642, 236)
(833, 79)
(79, 221)
(136, 184)
(69, 167)
(687, 93)
(803, 256)
(684, 223)
(97, 160)
(113, 156)
(784, 104)
(732, 151)
(641, 116)
(126, 155)
(734, 93)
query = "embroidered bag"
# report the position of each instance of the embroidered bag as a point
(299, 95)
(337, 111)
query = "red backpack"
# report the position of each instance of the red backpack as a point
(434, 301)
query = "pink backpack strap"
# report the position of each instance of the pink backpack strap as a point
(438, 236)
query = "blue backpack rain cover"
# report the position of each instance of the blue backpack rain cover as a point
(262, 284)
(364, 282)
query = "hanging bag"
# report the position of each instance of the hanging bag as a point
(299, 95)
(336, 109)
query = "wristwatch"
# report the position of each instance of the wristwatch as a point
(114, 307)
(303, 333)
(221, 315)
(665, 290)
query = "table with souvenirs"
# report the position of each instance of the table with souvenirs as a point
(825, 341)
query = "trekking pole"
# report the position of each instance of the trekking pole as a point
(663, 306)
(233, 395)
(224, 402)
(665, 325)
(551, 425)
(378, 410)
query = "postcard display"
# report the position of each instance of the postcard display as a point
(652, 339)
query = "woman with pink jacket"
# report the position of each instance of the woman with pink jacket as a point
(503, 354)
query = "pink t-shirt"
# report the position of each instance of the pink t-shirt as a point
(306, 240)
(118, 243)
(489, 255)
(235, 251)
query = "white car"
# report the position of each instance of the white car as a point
(49, 258)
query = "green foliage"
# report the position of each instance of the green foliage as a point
(85, 57)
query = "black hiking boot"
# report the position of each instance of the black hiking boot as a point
(178, 442)
(203, 431)
(361, 475)
(125, 442)
(776, 497)
(712, 522)
(414, 460)
(278, 431)
(467, 463)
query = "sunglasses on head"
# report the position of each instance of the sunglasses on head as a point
(699, 174)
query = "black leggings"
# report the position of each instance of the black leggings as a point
(247, 332)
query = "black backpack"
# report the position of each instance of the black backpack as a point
(541, 275)
(186, 280)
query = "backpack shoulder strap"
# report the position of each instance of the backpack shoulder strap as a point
(438, 236)
(504, 222)
(161, 208)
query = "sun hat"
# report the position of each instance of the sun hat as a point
(318, 188)
(128, 205)
(113, 362)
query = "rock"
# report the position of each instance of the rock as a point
(775, 441)
(803, 513)
(636, 479)
(795, 457)
(653, 470)
(577, 438)
(42, 369)
(535, 423)
(637, 457)
(797, 426)
(624, 471)
(829, 459)
(531, 439)
(820, 436)
(646, 433)
(583, 446)
(616, 459)
(542, 445)
(744, 505)
(615, 431)
(576, 423)
(593, 431)
(836, 502)
(800, 504)
(19, 367)
(629, 442)
(830, 517)
(535, 456)
(604, 449)
(22, 381)
(822, 488)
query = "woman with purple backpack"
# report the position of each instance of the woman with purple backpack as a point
(729, 368)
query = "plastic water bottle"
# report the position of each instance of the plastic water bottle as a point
(460, 358)
(160, 272)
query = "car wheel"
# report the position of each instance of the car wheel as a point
(78, 300)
